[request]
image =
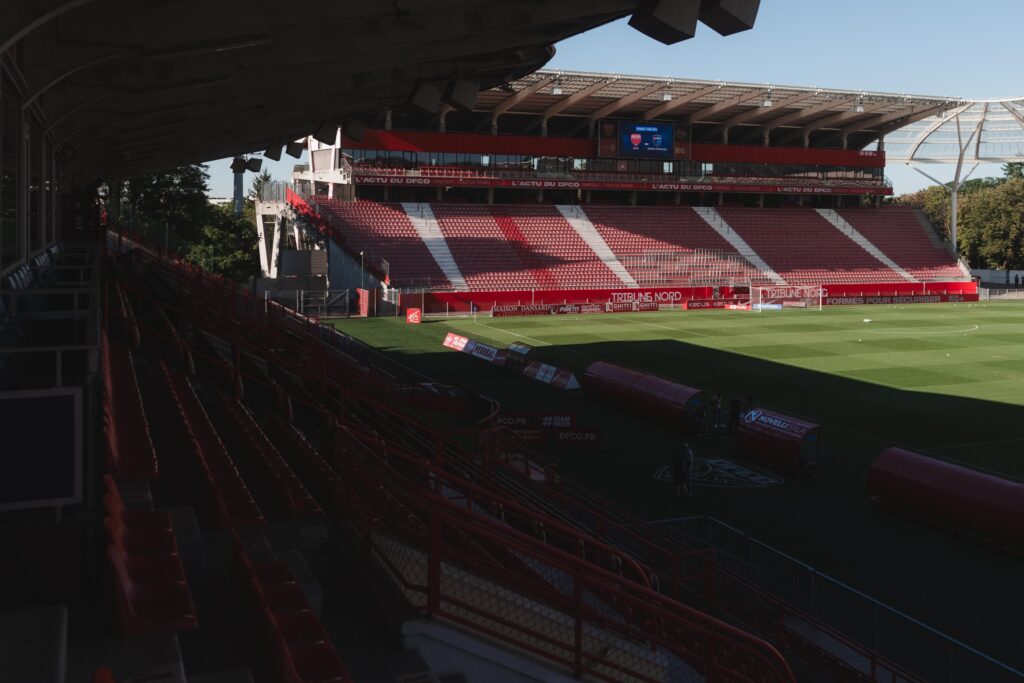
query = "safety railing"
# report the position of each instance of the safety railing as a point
(451, 561)
(512, 174)
(804, 598)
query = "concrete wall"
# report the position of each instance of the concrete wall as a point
(997, 277)
(344, 272)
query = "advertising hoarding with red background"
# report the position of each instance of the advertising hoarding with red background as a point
(466, 302)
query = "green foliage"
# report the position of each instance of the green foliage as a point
(990, 216)
(168, 205)
(171, 208)
(1014, 169)
(257, 184)
(934, 201)
(226, 244)
(992, 226)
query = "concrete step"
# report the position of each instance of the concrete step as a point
(840, 224)
(719, 224)
(423, 219)
(528, 615)
(581, 223)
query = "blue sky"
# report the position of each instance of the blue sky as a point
(921, 47)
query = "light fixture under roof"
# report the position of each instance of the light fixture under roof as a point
(556, 89)
(666, 96)
(767, 100)
(859, 107)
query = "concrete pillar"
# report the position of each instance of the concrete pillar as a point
(387, 119)
(544, 128)
(632, 198)
(760, 201)
(490, 195)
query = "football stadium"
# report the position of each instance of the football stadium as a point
(519, 373)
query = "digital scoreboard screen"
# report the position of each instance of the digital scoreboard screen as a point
(646, 140)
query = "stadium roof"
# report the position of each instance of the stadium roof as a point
(982, 130)
(129, 86)
(722, 105)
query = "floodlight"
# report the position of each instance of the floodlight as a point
(238, 165)
(273, 152)
(327, 133)
(254, 164)
(294, 149)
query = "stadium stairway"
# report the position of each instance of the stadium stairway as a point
(716, 221)
(804, 248)
(842, 226)
(423, 219)
(577, 218)
(636, 230)
(899, 232)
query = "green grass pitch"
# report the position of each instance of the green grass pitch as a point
(946, 379)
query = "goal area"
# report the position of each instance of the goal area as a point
(778, 298)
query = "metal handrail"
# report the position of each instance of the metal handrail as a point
(482, 172)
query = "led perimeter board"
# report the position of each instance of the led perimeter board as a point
(645, 140)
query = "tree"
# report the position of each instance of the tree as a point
(166, 206)
(226, 244)
(258, 182)
(171, 208)
(934, 202)
(1013, 169)
(993, 226)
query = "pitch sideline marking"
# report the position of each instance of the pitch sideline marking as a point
(673, 329)
(975, 328)
(514, 334)
(975, 443)
(538, 341)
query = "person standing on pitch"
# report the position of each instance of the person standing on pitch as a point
(716, 411)
(735, 408)
(682, 470)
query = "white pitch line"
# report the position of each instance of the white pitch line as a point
(673, 329)
(975, 443)
(917, 331)
(514, 334)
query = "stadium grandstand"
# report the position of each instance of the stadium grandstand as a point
(208, 482)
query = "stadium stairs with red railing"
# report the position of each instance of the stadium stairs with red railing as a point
(489, 538)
